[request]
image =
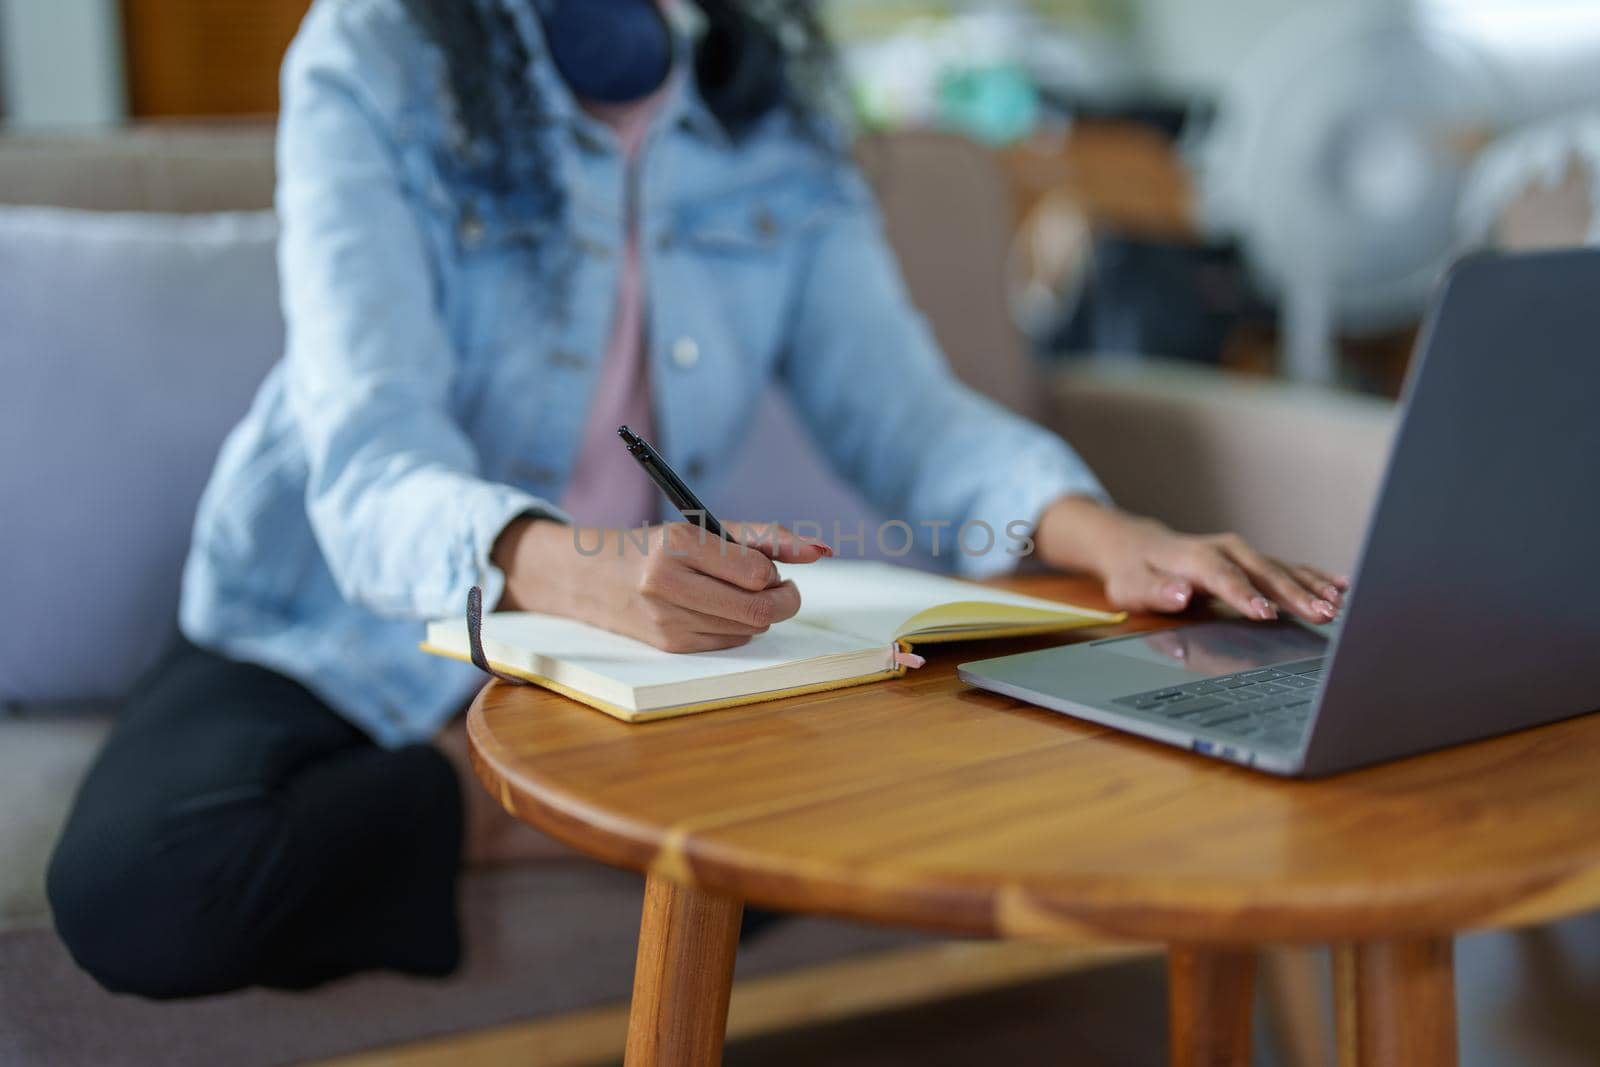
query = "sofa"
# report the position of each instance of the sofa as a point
(137, 313)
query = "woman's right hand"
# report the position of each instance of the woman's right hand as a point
(683, 590)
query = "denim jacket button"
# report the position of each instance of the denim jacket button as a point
(567, 359)
(766, 224)
(686, 352)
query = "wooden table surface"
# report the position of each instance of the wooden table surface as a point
(921, 801)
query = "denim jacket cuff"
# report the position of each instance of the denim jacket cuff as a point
(485, 519)
(1033, 485)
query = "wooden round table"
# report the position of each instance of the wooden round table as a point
(923, 802)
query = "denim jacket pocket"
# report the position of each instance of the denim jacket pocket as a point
(478, 211)
(500, 221)
(759, 219)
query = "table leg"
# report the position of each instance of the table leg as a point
(1209, 996)
(1396, 1003)
(688, 939)
(1296, 998)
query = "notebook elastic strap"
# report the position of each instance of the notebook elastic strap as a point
(475, 639)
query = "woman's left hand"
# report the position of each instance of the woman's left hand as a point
(1148, 567)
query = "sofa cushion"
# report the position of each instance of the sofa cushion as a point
(1295, 469)
(185, 168)
(132, 344)
(41, 763)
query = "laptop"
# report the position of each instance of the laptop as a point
(1475, 609)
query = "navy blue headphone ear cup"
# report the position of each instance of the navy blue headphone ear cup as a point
(739, 66)
(608, 51)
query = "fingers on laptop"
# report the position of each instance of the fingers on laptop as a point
(1215, 569)
(1253, 584)
(1285, 584)
(1159, 570)
(1141, 587)
(1170, 582)
(1331, 587)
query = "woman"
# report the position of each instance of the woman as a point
(476, 199)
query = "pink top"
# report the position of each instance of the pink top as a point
(608, 488)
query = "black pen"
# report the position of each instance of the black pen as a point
(677, 491)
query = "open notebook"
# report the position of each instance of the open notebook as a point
(854, 617)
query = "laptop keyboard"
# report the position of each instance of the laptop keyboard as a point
(1270, 706)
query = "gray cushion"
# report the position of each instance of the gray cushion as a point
(41, 763)
(188, 168)
(132, 344)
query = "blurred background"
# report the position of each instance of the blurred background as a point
(1272, 186)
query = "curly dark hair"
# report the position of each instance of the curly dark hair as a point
(755, 56)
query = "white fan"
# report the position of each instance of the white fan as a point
(1337, 160)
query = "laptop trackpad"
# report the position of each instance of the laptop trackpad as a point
(1208, 649)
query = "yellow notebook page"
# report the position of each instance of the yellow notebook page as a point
(975, 620)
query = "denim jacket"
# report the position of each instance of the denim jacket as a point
(444, 341)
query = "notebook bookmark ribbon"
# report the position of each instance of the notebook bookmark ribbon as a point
(906, 659)
(475, 639)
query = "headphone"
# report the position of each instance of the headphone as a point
(619, 51)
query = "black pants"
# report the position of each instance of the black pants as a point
(235, 831)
